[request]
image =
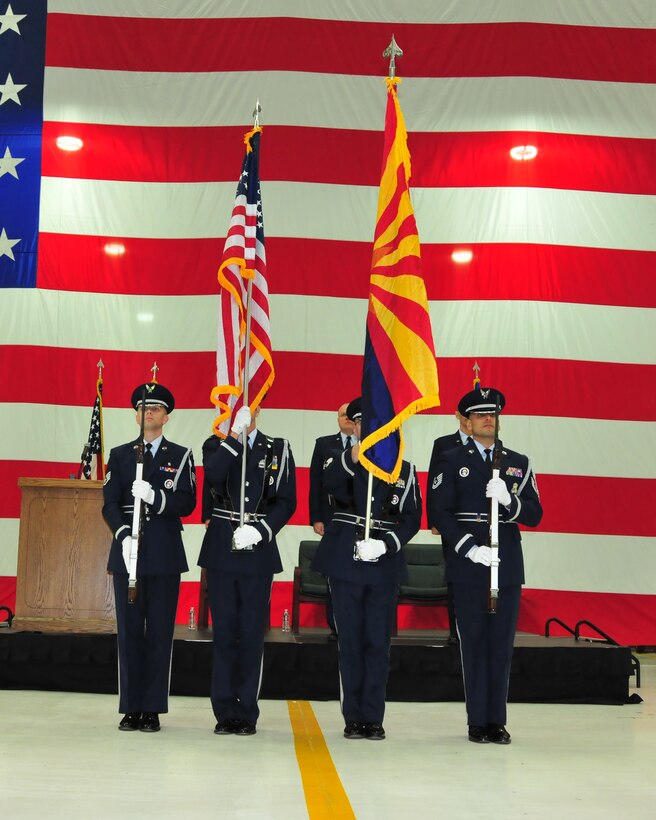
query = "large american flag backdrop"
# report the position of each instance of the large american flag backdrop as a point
(556, 305)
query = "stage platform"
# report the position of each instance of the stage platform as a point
(424, 666)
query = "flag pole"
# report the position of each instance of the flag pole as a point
(101, 432)
(249, 296)
(392, 51)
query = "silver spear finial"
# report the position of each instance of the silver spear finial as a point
(256, 114)
(392, 51)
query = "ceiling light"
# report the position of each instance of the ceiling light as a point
(523, 152)
(69, 143)
(114, 249)
(462, 256)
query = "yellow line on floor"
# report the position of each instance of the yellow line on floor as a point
(324, 793)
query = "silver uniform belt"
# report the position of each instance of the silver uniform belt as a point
(359, 521)
(232, 515)
(476, 518)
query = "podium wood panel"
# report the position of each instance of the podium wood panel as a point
(62, 583)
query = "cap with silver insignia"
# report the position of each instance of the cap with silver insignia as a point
(481, 400)
(155, 394)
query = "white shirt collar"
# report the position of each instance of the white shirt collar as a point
(154, 444)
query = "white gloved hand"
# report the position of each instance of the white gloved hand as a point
(126, 548)
(246, 536)
(496, 488)
(481, 555)
(371, 550)
(242, 419)
(142, 489)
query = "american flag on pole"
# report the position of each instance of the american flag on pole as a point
(399, 377)
(92, 465)
(244, 261)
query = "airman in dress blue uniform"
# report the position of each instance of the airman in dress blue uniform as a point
(364, 577)
(241, 562)
(168, 491)
(321, 502)
(440, 446)
(458, 498)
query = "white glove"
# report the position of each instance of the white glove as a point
(481, 555)
(496, 488)
(242, 419)
(246, 536)
(142, 489)
(126, 549)
(371, 550)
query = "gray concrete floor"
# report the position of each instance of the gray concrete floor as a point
(61, 756)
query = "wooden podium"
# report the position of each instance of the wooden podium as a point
(63, 545)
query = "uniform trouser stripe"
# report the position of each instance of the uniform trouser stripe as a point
(486, 647)
(145, 641)
(364, 615)
(239, 604)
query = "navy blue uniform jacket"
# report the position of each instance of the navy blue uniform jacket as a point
(210, 445)
(458, 506)
(399, 503)
(173, 477)
(270, 457)
(321, 508)
(440, 446)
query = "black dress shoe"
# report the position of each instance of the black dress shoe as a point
(478, 734)
(243, 727)
(497, 734)
(354, 730)
(130, 722)
(224, 727)
(374, 731)
(149, 722)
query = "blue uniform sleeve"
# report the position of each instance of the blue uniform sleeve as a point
(443, 505)
(409, 515)
(525, 507)
(113, 497)
(281, 505)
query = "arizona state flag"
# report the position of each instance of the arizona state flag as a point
(400, 373)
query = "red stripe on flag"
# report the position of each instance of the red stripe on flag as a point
(293, 44)
(628, 619)
(579, 504)
(406, 310)
(189, 373)
(587, 515)
(497, 270)
(439, 160)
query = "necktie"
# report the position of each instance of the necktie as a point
(148, 457)
(488, 455)
(348, 443)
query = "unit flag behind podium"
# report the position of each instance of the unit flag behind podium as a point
(92, 461)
